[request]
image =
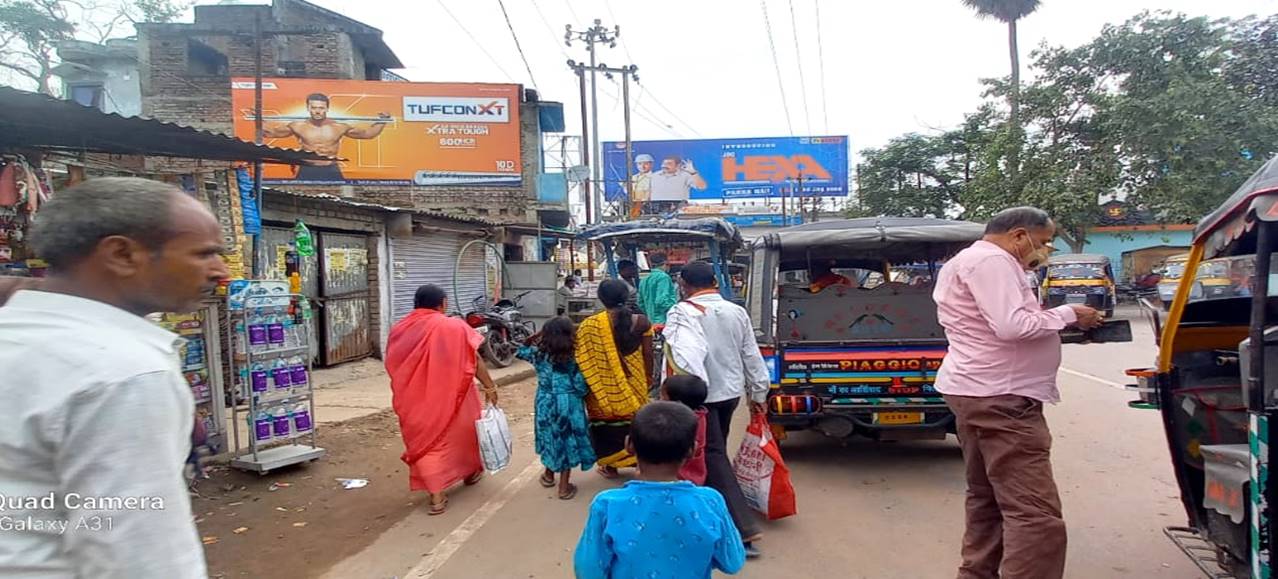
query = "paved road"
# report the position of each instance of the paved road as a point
(865, 509)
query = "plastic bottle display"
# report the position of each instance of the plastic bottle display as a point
(301, 419)
(257, 377)
(257, 332)
(282, 374)
(282, 423)
(262, 427)
(297, 369)
(275, 331)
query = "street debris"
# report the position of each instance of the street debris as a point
(353, 483)
(300, 524)
(275, 486)
(209, 539)
(240, 530)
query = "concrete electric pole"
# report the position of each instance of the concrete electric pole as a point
(596, 34)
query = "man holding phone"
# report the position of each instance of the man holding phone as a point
(1004, 352)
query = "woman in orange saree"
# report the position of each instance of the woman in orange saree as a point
(433, 363)
(614, 352)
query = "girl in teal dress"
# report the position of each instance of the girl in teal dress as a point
(563, 433)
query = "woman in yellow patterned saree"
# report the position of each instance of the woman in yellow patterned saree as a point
(614, 352)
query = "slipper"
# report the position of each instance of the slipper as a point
(547, 482)
(474, 479)
(568, 496)
(438, 508)
(608, 472)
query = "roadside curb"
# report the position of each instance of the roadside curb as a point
(517, 376)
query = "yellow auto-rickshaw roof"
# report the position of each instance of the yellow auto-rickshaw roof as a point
(1078, 258)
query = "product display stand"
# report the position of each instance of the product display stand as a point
(200, 356)
(271, 368)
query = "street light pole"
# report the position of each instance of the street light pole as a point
(591, 36)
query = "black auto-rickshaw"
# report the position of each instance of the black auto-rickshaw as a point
(1216, 386)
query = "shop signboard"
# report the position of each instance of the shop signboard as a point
(386, 133)
(724, 169)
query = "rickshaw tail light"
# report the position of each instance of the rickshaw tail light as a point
(767, 351)
(1141, 372)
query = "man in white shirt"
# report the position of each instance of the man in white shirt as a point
(96, 420)
(676, 180)
(712, 338)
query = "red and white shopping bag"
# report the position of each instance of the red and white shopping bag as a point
(762, 473)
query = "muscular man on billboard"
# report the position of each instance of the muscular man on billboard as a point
(676, 179)
(322, 135)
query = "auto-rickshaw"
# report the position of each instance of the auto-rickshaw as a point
(1172, 271)
(684, 240)
(1215, 387)
(844, 317)
(1079, 278)
(1221, 278)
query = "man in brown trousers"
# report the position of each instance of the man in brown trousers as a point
(1001, 367)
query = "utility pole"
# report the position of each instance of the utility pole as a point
(259, 135)
(629, 71)
(596, 34)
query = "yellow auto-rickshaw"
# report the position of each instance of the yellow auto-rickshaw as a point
(1172, 271)
(1213, 386)
(1079, 278)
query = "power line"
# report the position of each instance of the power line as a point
(550, 29)
(785, 105)
(672, 114)
(798, 57)
(825, 114)
(517, 46)
(576, 19)
(463, 28)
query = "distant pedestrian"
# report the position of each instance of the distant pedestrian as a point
(628, 271)
(658, 525)
(433, 363)
(562, 431)
(657, 292)
(95, 405)
(1004, 352)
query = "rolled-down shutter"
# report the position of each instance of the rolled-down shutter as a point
(431, 258)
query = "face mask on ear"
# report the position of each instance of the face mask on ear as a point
(1037, 255)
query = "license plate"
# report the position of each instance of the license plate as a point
(898, 417)
(1076, 299)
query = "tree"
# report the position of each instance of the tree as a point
(909, 177)
(1009, 12)
(30, 30)
(29, 33)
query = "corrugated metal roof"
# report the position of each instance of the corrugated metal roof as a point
(330, 198)
(38, 121)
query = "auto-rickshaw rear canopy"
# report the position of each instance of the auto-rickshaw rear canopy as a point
(892, 239)
(1255, 200)
(1093, 258)
(664, 230)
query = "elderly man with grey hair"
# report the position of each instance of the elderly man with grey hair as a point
(96, 420)
(1004, 351)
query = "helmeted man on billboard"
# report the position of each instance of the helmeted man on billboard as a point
(322, 135)
(676, 180)
(642, 179)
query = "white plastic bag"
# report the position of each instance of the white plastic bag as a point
(495, 442)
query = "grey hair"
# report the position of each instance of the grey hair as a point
(1030, 218)
(70, 226)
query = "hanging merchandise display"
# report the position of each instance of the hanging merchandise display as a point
(271, 368)
(23, 189)
(303, 240)
(200, 357)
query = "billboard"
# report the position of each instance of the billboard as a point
(387, 133)
(728, 168)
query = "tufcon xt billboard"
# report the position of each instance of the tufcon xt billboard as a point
(387, 133)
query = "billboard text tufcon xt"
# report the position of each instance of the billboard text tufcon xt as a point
(729, 168)
(387, 133)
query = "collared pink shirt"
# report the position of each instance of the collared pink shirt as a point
(1001, 340)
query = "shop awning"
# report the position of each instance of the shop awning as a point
(31, 120)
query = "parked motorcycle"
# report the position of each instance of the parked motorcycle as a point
(503, 327)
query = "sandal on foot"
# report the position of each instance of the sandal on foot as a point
(568, 496)
(474, 479)
(438, 508)
(608, 472)
(547, 481)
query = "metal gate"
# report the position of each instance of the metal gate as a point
(344, 292)
(430, 258)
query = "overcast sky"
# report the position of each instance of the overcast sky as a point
(890, 67)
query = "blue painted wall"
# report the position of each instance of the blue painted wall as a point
(1113, 244)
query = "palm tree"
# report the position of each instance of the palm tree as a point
(1009, 11)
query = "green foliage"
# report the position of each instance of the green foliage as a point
(1172, 112)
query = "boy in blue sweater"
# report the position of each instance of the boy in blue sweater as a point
(658, 525)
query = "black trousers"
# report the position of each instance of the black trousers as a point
(719, 473)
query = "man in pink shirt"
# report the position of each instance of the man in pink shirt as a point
(1001, 367)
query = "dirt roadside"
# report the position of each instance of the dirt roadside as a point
(309, 523)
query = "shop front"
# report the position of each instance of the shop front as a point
(453, 255)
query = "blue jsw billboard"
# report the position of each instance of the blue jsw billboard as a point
(728, 168)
